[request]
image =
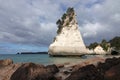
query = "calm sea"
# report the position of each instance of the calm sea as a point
(42, 58)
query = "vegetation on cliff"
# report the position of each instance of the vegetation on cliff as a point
(65, 19)
(114, 43)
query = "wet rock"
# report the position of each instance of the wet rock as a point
(88, 72)
(6, 62)
(114, 53)
(66, 72)
(93, 61)
(59, 78)
(60, 65)
(113, 73)
(110, 62)
(52, 68)
(31, 71)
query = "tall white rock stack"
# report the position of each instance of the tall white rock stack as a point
(68, 41)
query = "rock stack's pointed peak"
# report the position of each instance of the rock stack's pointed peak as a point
(66, 19)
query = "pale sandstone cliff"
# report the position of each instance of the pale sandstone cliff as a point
(68, 40)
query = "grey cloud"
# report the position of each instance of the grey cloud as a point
(33, 21)
(20, 22)
(106, 15)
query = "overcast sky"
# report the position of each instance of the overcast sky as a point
(29, 25)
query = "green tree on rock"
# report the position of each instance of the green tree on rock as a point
(93, 45)
(115, 42)
(104, 44)
(63, 21)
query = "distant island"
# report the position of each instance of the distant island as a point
(33, 53)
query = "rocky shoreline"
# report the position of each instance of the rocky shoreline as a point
(91, 69)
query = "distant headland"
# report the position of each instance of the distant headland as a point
(32, 53)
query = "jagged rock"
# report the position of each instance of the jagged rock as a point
(110, 69)
(93, 61)
(88, 72)
(7, 71)
(68, 40)
(109, 63)
(60, 65)
(6, 62)
(113, 73)
(52, 68)
(31, 71)
(114, 53)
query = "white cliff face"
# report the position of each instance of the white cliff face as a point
(68, 40)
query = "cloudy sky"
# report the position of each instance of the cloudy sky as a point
(29, 25)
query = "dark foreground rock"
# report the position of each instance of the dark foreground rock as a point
(109, 70)
(115, 53)
(113, 73)
(88, 72)
(31, 71)
(109, 63)
(52, 69)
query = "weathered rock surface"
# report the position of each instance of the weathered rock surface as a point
(91, 69)
(88, 72)
(6, 62)
(68, 40)
(109, 70)
(31, 71)
(109, 63)
(7, 71)
(113, 73)
(52, 68)
(114, 53)
(93, 61)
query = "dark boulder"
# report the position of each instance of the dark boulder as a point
(52, 68)
(66, 72)
(113, 73)
(31, 71)
(110, 62)
(88, 72)
(114, 53)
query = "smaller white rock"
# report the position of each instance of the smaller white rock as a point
(99, 50)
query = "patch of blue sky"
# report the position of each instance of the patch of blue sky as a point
(10, 48)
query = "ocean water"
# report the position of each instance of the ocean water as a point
(43, 58)
(23, 58)
(40, 58)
